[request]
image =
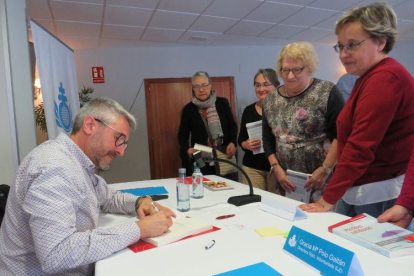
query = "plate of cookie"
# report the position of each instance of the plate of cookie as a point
(217, 186)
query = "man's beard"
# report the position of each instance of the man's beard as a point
(99, 154)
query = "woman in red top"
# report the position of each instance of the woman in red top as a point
(402, 212)
(376, 125)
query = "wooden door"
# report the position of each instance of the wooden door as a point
(165, 99)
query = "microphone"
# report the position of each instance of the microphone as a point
(235, 200)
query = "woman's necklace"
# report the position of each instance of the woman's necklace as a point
(306, 87)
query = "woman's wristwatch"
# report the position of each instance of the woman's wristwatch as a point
(327, 169)
(273, 165)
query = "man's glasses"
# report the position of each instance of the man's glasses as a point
(296, 71)
(350, 48)
(264, 85)
(120, 140)
(198, 87)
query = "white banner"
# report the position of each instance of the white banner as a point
(57, 74)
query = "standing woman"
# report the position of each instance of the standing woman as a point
(376, 125)
(256, 165)
(220, 120)
(299, 120)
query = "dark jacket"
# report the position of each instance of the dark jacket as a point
(191, 122)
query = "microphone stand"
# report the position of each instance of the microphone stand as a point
(236, 200)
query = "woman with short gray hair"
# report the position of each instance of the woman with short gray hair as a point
(216, 113)
(376, 125)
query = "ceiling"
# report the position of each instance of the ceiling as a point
(135, 23)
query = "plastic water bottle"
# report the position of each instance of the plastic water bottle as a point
(198, 189)
(183, 192)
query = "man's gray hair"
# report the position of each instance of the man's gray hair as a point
(104, 109)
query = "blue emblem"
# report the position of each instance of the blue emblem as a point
(63, 113)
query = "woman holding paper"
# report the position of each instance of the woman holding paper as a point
(218, 116)
(255, 163)
(299, 121)
(376, 126)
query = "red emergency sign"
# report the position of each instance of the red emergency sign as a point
(98, 75)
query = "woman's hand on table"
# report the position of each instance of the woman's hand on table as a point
(252, 144)
(318, 207)
(231, 150)
(398, 215)
(317, 180)
(283, 180)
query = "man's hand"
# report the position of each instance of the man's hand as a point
(231, 150)
(252, 144)
(320, 206)
(145, 208)
(283, 180)
(155, 224)
(398, 215)
(317, 180)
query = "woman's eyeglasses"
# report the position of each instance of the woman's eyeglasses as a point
(350, 48)
(296, 71)
(198, 87)
(264, 85)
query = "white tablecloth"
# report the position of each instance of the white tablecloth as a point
(237, 244)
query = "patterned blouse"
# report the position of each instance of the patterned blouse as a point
(300, 129)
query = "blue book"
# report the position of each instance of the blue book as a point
(384, 238)
(149, 191)
(252, 270)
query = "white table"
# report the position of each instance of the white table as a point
(234, 248)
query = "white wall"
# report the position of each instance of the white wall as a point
(125, 69)
(403, 53)
(17, 121)
(7, 165)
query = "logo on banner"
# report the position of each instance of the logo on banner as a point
(62, 112)
(98, 75)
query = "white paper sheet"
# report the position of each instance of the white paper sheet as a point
(255, 132)
(299, 179)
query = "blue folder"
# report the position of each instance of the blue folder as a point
(252, 270)
(149, 191)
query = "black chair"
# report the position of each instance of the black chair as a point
(4, 193)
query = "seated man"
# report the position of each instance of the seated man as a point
(53, 207)
(401, 213)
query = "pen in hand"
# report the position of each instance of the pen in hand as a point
(155, 207)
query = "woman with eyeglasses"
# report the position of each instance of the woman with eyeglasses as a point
(299, 121)
(376, 125)
(218, 116)
(255, 164)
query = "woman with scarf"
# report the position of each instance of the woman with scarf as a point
(219, 118)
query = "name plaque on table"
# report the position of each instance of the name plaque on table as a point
(282, 209)
(321, 255)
